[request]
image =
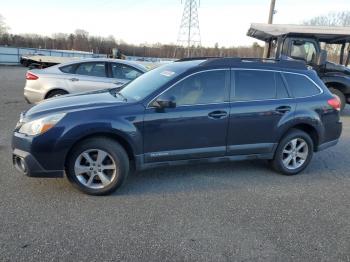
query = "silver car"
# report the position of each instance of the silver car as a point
(79, 76)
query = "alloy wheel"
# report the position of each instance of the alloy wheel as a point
(295, 153)
(95, 169)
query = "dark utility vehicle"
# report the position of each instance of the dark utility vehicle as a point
(304, 43)
(192, 111)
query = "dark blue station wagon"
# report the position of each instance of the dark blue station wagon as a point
(201, 110)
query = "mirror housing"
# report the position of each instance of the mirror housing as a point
(164, 103)
(322, 58)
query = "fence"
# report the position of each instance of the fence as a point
(12, 55)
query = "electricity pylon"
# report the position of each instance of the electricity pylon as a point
(189, 33)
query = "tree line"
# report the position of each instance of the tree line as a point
(81, 40)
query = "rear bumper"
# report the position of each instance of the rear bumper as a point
(33, 96)
(327, 145)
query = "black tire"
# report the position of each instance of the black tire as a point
(277, 162)
(56, 93)
(117, 154)
(341, 96)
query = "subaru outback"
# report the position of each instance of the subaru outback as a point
(190, 111)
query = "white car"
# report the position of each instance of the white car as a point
(79, 76)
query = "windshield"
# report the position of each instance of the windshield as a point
(149, 82)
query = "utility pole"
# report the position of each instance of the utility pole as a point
(270, 21)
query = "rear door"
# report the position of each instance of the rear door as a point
(89, 76)
(259, 101)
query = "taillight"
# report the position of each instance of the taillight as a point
(31, 76)
(335, 103)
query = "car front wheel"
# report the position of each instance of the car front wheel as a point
(98, 166)
(293, 153)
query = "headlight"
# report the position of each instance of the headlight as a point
(41, 125)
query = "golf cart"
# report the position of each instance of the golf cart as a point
(304, 43)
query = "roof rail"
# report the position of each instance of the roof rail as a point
(197, 58)
(296, 64)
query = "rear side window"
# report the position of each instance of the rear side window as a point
(301, 86)
(258, 85)
(92, 69)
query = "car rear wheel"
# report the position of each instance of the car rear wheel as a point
(293, 153)
(56, 93)
(340, 96)
(97, 166)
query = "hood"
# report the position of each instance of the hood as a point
(69, 103)
(336, 68)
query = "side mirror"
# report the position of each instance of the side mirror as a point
(322, 58)
(164, 103)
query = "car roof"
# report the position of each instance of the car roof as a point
(328, 34)
(236, 62)
(139, 66)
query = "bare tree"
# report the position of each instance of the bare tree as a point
(3, 27)
(331, 19)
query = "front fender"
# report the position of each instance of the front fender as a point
(79, 125)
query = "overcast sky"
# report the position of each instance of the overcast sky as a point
(151, 21)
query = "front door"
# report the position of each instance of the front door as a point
(197, 126)
(121, 74)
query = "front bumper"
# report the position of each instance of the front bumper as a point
(26, 163)
(36, 158)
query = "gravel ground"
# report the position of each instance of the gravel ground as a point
(239, 211)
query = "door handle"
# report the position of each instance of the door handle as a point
(74, 79)
(118, 83)
(217, 114)
(283, 109)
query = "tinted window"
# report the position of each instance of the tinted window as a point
(301, 86)
(67, 69)
(202, 88)
(125, 72)
(254, 85)
(92, 69)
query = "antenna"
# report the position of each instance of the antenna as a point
(189, 33)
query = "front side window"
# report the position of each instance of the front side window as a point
(92, 69)
(304, 50)
(124, 72)
(202, 88)
(301, 86)
(67, 69)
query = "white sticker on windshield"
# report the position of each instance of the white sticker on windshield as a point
(167, 73)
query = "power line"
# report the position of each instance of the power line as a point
(189, 34)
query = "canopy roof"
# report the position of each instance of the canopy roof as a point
(328, 34)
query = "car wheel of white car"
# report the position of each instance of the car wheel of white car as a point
(56, 93)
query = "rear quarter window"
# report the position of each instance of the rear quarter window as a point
(301, 86)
